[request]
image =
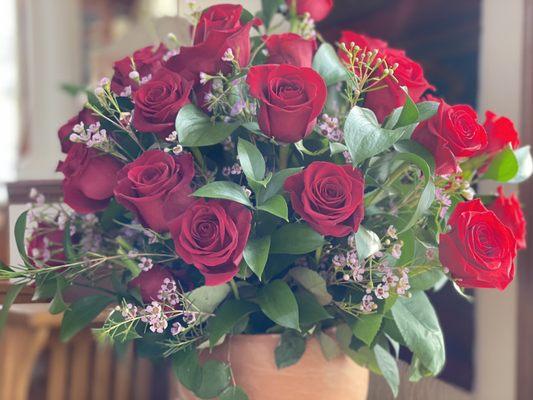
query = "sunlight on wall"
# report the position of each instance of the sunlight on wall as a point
(8, 91)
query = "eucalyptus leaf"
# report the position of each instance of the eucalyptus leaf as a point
(327, 63)
(389, 367)
(525, 164)
(419, 327)
(364, 136)
(367, 242)
(224, 190)
(277, 301)
(196, 129)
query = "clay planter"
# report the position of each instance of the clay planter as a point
(313, 378)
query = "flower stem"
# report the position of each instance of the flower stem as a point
(284, 153)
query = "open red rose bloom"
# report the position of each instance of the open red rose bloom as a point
(249, 182)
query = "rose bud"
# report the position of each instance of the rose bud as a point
(150, 282)
(218, 30)
(329, 197)
(291, 98)
(409, 74)
(45, 246)
(290, 48)
(156, 187)
(85, 116)
(509, 211)
(158, 101)
(479, 250)
(146, 62)
(450, 135)
(317, 9)
(90, 177)
(211, 235)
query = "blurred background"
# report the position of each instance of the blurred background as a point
(475, 51)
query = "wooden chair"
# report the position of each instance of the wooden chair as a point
(35, 364)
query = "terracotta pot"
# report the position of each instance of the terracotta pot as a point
(312, 378)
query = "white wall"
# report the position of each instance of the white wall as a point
(500, 87)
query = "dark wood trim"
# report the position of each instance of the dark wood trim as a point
(19, 192)
(525, 264)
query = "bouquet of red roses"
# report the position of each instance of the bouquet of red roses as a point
(257, 183)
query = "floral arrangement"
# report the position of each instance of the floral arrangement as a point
(252, 182)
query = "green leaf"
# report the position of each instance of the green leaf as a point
(58, 305)
(367, 242)
(328, 65)
(409, 114)
(279, 304)
(313, 283)
(251, 159)
(295, 238)
(81, 313)
(224, 190)
(330, 347)
(227, 316)
(525, 164)
(364, 136)
(269, 7)
(290, 349)
(20, 234)
(367, 327)
(275, 186)
(427, 109)
(310, 310)
(216, 377)
(277, 206)
(256, 254)
(417, 322)
(187, 368)
(389, 367)
(233, 393)
(425, 280)
(503, 167)
(195, 129)
(67, 244)
(9, 299)
(206, 299)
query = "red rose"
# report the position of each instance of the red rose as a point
(85, 116)
(149, 282)
(218, 30)
(364, 42)
(90, 177)
(479, 250)
(409, 74)
(290, 48)
(45, 246)
(451, 134)
(156, 186)
(501, 132)
(328, 197)
(509, 211)
(317, 9)
(158, 101)
(145, 61)
(291, 100)
(212, 235)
